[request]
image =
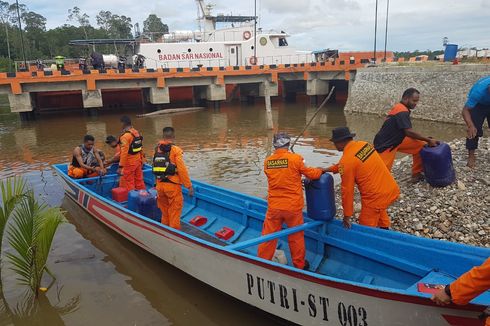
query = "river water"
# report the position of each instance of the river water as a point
(109, 281)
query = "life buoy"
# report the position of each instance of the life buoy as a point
(253, 60)
(247, 35)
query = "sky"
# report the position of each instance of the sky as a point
(315, 24)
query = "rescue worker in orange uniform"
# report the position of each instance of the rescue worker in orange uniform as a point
(467, 287)
(397, 135)
(360, 164)
(171, 174)
(86, 161)
(285, 198)
(131, 159)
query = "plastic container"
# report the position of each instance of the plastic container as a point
(133, 197)
(450, 52)
(438, 165)
(157, 213)
(146, 204)
(119, 194)
(320, 198)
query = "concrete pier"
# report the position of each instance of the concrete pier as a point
(208, 83)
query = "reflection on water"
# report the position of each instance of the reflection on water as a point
(120, 284)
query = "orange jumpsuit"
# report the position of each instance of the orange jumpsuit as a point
(170, 199)
(79, 173)
(408, 146)
(361, 164)
(471, 284)
(285, 202)
(131, 164)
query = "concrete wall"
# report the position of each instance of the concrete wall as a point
(443, 88)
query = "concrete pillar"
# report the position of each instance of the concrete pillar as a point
(92, 99)
(216, 92)
(314, 100)
(317, 87)
(20, 102)
(159, 95)
(268, 87)
(268, 112)
(323, 118)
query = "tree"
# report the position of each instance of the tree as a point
(81, 18)
(154, 26)
(116, 26)
(35, 28)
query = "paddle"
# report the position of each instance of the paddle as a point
(313, 117)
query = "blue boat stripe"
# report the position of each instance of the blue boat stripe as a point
(85, 200)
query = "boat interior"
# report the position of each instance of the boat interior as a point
(362, 256)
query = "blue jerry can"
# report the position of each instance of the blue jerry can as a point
(146, 204)
(133, 197)
(320, 198)
(157, 213)
(438, 165)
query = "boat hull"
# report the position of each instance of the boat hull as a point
(295, 296)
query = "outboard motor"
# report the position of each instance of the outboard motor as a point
(320, 198)
(438, 165)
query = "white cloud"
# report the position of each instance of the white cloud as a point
(343, 24)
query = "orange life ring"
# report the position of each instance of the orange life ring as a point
(247, 35)
(253, 60)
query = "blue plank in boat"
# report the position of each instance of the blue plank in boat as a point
(275, 235)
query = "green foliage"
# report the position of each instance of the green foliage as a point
(116, 26)
(41, 43)
(31, 235)
(5, 65)
(408, 54)
(12, 192)
(154, 26)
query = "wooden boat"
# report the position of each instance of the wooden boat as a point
(358, 277)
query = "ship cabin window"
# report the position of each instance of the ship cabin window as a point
(283, 41)
(210, 49)
(232, 50)
(189, 50)
(159, 51)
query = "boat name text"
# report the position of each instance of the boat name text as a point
(190, 56)
(318, 306)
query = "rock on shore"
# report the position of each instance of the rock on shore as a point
(459, 212)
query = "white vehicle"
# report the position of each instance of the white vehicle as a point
(211, 47)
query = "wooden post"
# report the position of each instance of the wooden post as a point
(268, 110)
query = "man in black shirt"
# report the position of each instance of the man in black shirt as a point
(397, 134)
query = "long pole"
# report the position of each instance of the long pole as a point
(375, 30)
(255, 30)
(313, 117)
(386, 25)
(21, 35)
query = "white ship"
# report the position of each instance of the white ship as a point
(239, 45)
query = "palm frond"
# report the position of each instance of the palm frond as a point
(30, 235)
(12, 190)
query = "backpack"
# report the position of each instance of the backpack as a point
(162, 167)
(136, 145)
